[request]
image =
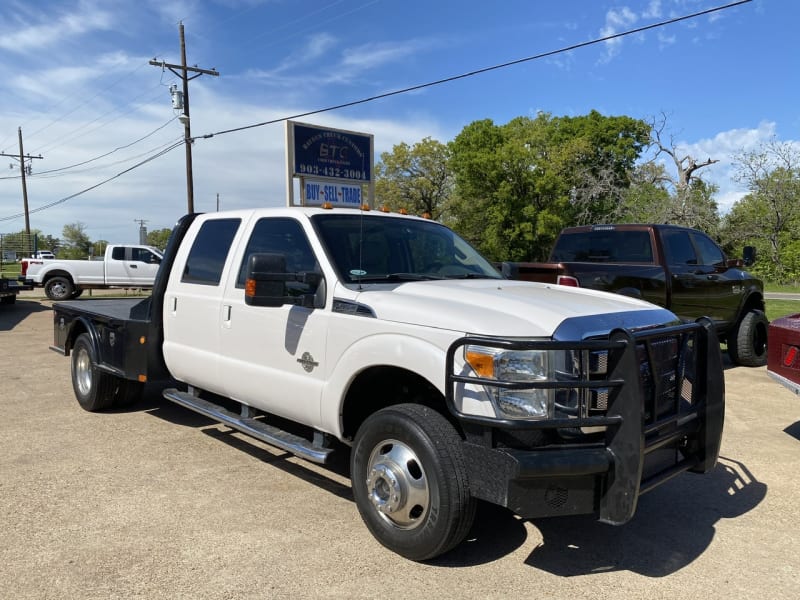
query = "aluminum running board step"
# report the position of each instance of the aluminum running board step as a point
(253, 427)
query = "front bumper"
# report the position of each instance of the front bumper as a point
(664, 416)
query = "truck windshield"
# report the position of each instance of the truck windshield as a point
(382, 248)
(608, 245)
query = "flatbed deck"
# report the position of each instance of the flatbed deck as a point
(122, 309)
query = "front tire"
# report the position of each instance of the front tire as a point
(747, 345)
(59, 288)
(410, 481)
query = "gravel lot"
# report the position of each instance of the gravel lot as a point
(158, 502)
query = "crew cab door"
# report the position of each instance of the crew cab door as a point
(273, 358)
(132, 266)
(192, 301)
(702, 283)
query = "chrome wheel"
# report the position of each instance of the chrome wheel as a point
(397, 485)
(410, 481)
(83, 371)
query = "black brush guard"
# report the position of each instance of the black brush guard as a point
(659, 404)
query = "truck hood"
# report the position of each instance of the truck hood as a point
(507, 308)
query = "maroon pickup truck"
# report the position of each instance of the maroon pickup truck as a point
(679, 268)
(784, 351)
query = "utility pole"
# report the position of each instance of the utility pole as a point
(142, 231)
(22, 157)
(182, 71)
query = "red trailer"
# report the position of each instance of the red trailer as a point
(783, 353)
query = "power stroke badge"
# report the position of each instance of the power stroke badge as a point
(308, 362)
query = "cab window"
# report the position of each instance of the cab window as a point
(710, 254)
(209, 251)
(678, 248)
(281, 235)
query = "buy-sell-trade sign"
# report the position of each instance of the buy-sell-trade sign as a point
(333, 165)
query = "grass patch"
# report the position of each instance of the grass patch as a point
(778, 287)
(781, 308)
(10, 270)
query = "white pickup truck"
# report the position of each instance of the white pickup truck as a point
(128, 266)
(389, 337)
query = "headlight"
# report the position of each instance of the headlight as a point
(515, 366)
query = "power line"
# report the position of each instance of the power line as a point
(188, 140)
(480, 71)
(85, 162)
(113, 164)
(85, 129)
(97, 185)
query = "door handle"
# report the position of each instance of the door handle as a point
(712, 277)
(134, 266)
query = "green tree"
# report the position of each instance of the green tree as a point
(769, 216)
(75, 241)
(98, 248)
(415, 178)
(596, 155)
(158, 238)
(519, 184)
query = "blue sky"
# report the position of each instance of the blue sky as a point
(76, 78)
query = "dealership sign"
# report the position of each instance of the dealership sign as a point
(316, 193)
(332, 165)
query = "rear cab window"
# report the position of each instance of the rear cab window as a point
(607, 245)
(209, 252)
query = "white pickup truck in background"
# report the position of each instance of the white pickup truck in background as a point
(128, 266)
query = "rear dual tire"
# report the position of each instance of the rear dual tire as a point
(94, 388)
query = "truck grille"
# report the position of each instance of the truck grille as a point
(665, 369)
(665, 384)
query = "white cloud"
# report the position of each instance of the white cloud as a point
(370, 56)
(623, 18)
(665, 40)
(653, 10)
(344, 66)
(50, 30)
(725, 147)
(617, 21)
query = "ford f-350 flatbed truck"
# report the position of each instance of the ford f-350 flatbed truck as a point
(390, 335)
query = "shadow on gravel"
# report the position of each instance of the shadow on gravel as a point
(178, 415)
(12, 315)
(793, 430)
(673, 525)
